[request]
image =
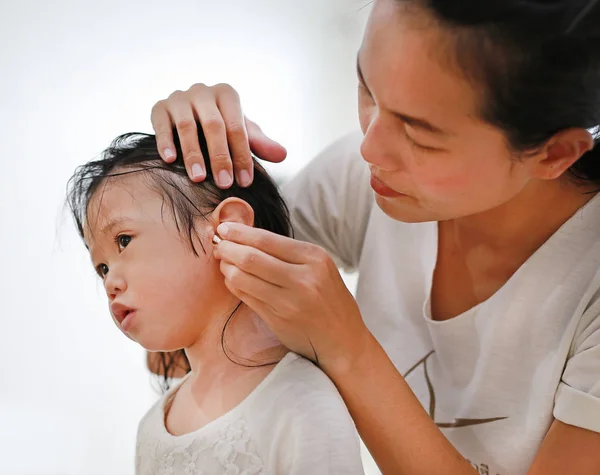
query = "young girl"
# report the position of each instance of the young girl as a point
(247, 405)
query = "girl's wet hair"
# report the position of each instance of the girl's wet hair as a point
(535, 64)
(187, 201)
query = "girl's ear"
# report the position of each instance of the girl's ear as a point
(233, 210)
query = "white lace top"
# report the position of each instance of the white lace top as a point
(293, 423)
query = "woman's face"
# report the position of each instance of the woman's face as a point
(431, 157)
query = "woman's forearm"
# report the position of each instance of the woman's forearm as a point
(393, 424)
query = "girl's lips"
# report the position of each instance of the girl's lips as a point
(127, 321)
(382, 189)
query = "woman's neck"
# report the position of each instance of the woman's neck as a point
(525, 222)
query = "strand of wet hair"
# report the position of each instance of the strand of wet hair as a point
(586, 10)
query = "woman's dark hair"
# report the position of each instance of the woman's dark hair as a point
(536, 64)
(186, 200)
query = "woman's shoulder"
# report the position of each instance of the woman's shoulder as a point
(330, 200)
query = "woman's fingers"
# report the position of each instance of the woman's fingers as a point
(229, 136)
(295, 287)
(183, 116)
(213, 126)
(228, 102)
(177, 112)
(275, 245)
(163, 128)
(248, 261)
(239, 281)
(251, 291)
(263, 146)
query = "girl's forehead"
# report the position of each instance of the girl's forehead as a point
(117, 200)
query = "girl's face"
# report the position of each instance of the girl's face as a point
(160, 294)
(431, 158)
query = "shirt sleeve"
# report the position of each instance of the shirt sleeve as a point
(330, 201)
(577, 401)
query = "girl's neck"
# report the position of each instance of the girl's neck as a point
(238, 345)
(217, 384)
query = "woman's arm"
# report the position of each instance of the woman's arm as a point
(568, 449)
(393, 424)
(297, 290)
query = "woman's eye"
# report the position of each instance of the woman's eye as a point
(419, 146)
(123, 241)
(102, 270)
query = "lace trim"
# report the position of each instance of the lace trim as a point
(232, 451)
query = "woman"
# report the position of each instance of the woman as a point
(475, 343)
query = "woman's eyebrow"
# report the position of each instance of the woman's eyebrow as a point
(414, 122)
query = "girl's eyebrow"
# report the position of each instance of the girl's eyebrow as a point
(113, 222)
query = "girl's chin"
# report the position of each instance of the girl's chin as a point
(155, 342)
(130, 337)
(157, 347)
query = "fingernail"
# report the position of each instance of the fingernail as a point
(223, 229)
(197, 171)
(225, 178)
(169, 153)
(244, 178)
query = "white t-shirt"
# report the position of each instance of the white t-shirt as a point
(293, 423)
(495, 377)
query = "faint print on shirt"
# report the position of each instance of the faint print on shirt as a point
(483, 468)
(458, 422)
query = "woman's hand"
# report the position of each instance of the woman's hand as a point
(228, 134)
(297, 290)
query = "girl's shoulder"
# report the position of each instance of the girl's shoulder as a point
(296, 386)
(301, 424)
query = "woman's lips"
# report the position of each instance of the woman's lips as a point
(382, 189)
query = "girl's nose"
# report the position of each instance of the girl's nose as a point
(114, 284)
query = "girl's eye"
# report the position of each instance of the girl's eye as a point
(363, 89)
(102, 270)
(123, 241)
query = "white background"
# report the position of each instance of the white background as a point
(75, 75)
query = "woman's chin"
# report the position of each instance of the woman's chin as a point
(405, 209)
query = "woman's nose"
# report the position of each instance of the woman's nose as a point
(376, 146)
